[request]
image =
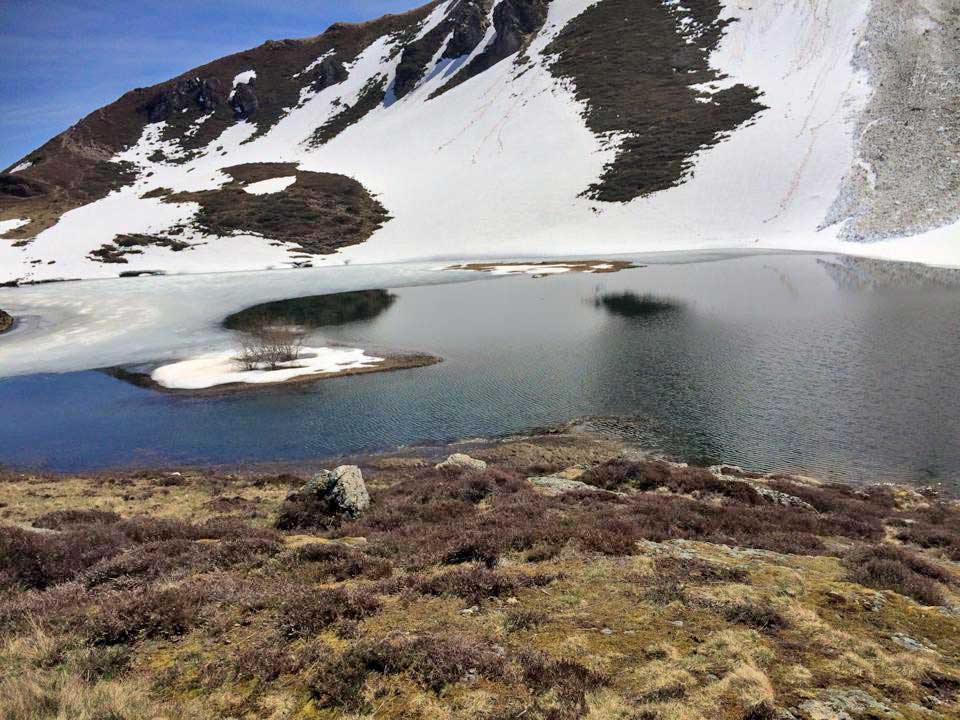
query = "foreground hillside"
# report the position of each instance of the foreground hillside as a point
(506, 128)
(567, 579)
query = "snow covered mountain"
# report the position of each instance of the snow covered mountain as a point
(517, 128)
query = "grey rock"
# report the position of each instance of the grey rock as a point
(905, 641)
(778, 498)
(846, 704)
(459, 461)
(558, 485)
(343, 486)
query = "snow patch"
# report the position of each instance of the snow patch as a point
(314, 65)
(244, 78)
(10, 225)
(273, 185)
(22, 166)
(222, 368)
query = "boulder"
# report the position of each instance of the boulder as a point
(343, 487)
(555, 485)
(459, 461)
(846, 704)
(325, 500)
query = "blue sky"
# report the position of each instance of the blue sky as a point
(65, 58)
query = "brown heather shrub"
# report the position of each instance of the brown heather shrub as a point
(477, 584)
(570, 680)
(433, 661)
(649, 475)
(64, 519)
(936, 528)
(523, 619)
(422, 520)
(126, 617)
(887, 567)
(143, 563)
(334, 562)
(93, 664)
(305, 612)
(36, 560)
(266, 658)
(695, 571)
(759, 616)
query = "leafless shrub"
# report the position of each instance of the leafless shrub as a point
(264, 346)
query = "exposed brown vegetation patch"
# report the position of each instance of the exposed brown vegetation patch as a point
(887, 567)
(318, 214)
(124, 245)
(618, 44)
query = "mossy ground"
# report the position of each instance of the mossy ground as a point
(201, 610)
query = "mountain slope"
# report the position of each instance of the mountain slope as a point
(482, 128)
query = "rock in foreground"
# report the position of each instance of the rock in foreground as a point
(6, 321)
(461, 462)
(327, 498)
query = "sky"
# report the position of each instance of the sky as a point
(62, 59)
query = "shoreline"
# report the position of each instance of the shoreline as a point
(390, 363)
(579, 440)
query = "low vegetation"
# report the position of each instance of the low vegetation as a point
(318, 214)
(663, 591)
(665, 120)
(269, 347)
(124, 245)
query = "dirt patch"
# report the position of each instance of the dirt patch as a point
(663, 120)
(318, 214)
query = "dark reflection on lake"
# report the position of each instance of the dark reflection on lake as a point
(314, 312)
(629, 304)
(766, 362)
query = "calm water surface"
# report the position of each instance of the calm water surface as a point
(768, 362)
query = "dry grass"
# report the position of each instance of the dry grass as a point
(465, 596)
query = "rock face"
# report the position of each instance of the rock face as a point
(6, 321)
(461, 462)
(244, 102)
(330, 72)
(202, 94)
(325, 500)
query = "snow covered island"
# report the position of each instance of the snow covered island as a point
(222, 371)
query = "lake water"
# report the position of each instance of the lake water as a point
(773, 362)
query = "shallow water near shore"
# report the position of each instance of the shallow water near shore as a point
(773, 362)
